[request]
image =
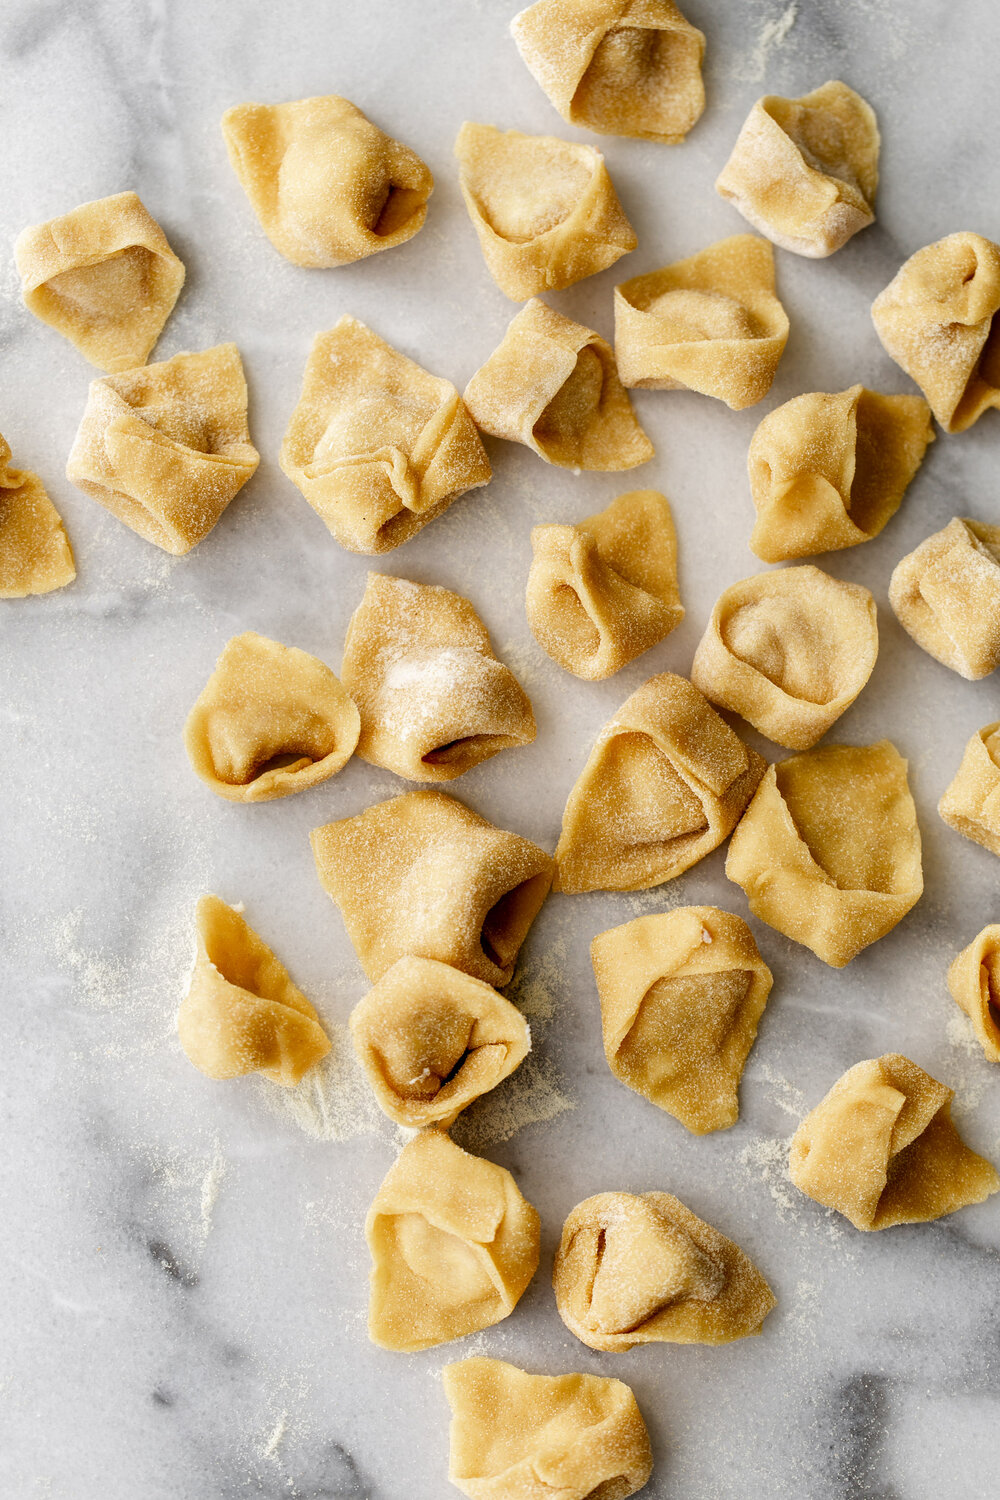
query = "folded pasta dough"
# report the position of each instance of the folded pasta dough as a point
(516, 1436)
(602, 592)
(974, 981)
(828, 471)
(681, 995)
(936, 320)
(789, 651)
(434, 700)
(552, 384)
(423, 874)
(242, 1013)
(166, 447)
(453, 1246)
(643, 1269)
(804, 171)
(971, 803)
(327, 185)
(828, 851)
(664, 785)
(711, 323)
(271, 720)
(378, 446)
(946, 595)
(103, 276)
(882, 1148)
(35, 554)
(619, 67)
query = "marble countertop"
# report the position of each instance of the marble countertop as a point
(184, 1270)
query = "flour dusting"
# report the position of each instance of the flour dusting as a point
(333, 1102)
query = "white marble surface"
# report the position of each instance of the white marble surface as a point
(184, 1273)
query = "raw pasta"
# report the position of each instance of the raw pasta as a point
(946, 595)
(974, 981)
(971, 803)
(35, 554)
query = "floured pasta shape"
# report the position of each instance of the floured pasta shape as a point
(271, 720)
(602, 592)
(432, 1039)
(805, 171)
(166, 447)
(104, 277)
(664, 785)
(422, 874)
(974, 981)
(434, 699)
(327, 186)
(516, 1436)
(882, 1148)
(711, 323)
(681, 995)
(552, 384)
(453, 1245)
(643, 1269)
(378, 446)
(946, 595)
(618, 67)
(828, 471)
(971, 802)
(35, 554)
(828, 852)
(789, 651)
(241, 1012)
(936, 320)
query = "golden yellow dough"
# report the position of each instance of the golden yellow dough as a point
(602, 592)
(552, 384)
(35, 554)
(271, 720)
(974, 981)
(665, 783)
(936, 320)
(242, 1013)
(804, 171)
(711, 323)
(828, 851)
(423, 874)
(327, 185)
(104, 277)
(618, 67)
(681, 995)
(453, 1246)
(882, 1148)
(516, 1436)
(789, 651)
(971, 803)
(166, 447)
(828, 471)
(434, 700)
(378, 446)
(946, 595)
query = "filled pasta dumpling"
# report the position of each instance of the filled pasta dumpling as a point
(35, 554)
(971, 803)
(946, 595)
(974, 981)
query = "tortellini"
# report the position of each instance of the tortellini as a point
(104, 277)
(946, 595)
(604, 591)
(378, 446)
(789, 651)
(166, 447)
(665, 783)
(711, 323)
(432, 1039)
(271, 720)
(828, 471)
(936, 320)
(516, 1436)
(681, 995)
(971, 803)
(35, 554)
(434, 700)
(553, 385)
(828, 852)
(974, 981)
(643, 1269)
(242, 1013)
(882, 1148)
(327, 185)
(423, 874)
(804, 171)
(453, 1245)
(545, 210)
(618, 67)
